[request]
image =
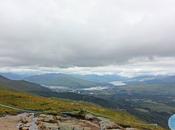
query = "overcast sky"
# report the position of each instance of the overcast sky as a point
(83, 36)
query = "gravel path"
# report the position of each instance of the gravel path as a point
(9, 122)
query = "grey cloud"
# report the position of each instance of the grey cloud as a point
(66, 33)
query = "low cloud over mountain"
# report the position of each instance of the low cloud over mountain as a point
(118, 36)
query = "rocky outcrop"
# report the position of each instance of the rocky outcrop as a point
(67, 121)
(27, 122)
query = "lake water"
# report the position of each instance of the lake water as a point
(96, 88)
(63, 88)
(118, 83)
(171, 122)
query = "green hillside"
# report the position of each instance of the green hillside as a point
(24, 86)
(55, 106)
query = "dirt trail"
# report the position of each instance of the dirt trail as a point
(9, 122)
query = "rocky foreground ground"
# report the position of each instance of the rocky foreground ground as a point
(67, 121)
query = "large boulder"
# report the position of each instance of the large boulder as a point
(26, 117)
(24, 126)
(107, 124)
(90, 117)
(48, 126)
(47, 118)
(66, 127)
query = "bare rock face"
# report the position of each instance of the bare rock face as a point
(89, 117)
(48, 126)
(47, 118)
(67, 122)
(106, 124)
(26, 121)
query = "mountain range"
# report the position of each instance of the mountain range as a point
(63, 80)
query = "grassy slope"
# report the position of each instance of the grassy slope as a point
(52, 105)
